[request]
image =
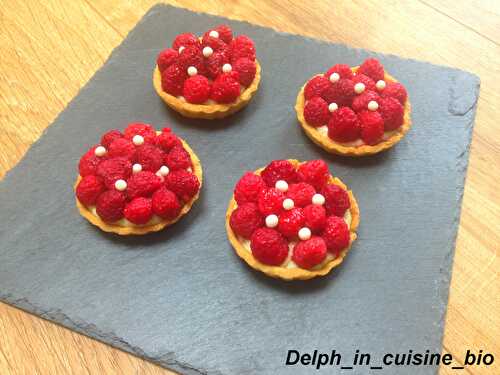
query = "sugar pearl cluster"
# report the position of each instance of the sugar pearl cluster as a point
(359, 88)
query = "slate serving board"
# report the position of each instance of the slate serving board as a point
(182, 298)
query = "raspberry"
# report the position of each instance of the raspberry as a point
(183, 183)
(122, 147)
(336, 200)
(142, 184)
(270, 201)
(392, 112)
(395, 90)
(315, 217)
(225, 89)
(196, 89)
(166, 140)
(279, 170)
(89, 162)
(314, 172)
(247, 189)
(316, 86)
(372, 127)
(344, 125)
(269, 246)
(373, 69)
(88, 189)
(246, 69)
(336, 234)
(216, 44)
(214, 63)
(242, 46)
(110, 205)
(225, 33)
(360, 102)
(343, 70)
(139, 210)
(310, 253)
(185, 40)
(316, 112)
(110, 136)
(246, 219)
(340, 92)
(165, 204)
(172, 79)
(367, 81)
(150, 157)
(178, 158)
(191, 56)
(114, 169)
(291, 221)
(139, 128)
(301, 194)
(166, 58)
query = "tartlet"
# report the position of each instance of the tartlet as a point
(208, 77)
(354, 111)
(292, 220)
(138, 181)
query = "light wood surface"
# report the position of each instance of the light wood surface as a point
(49, 50)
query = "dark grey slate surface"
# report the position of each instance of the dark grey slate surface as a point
(181, 297)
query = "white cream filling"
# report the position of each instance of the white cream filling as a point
(210, 101)
(323, 130)
(125, 223)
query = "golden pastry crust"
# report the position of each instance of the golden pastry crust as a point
(207, 111)
(294, 273)
(143, 229)
(333, 147)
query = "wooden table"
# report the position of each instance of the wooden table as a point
(50, 50)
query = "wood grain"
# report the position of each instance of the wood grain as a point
(49, 50)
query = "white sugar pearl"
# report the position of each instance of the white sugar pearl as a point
(380, 85)
(304, 233)
(271, 221)
(100, 151)
(332, 107)
(192, 71)
(181, 48)
(120, 185)
(138, 140)
(372, 105)
(359, 87)
(207, 51)
(281, 185)
(318, 199)
(136, 168)
(164, 170)
(334, 77)
(288, 204)
(213, 34)
(226, 68)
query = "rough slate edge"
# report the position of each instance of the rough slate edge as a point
(458, 106)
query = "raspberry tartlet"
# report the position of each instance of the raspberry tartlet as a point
(354, 111)
(208, 77)
(292, 220)
(138, 181)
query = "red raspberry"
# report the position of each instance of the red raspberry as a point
(110, 205)
(183, 183)
(316, 86)
(301, 194)
(316, 112)
(344, 125)
(88, 189)
(178, 158)
(246, 219)
(270, 201)
(89, 162)
(191, 56)
(269, 246)
(373, 69)
(142, 184)
(150, 157)
(315, 217)
(166, 140)
(360, 102)
(395, 90)
(336, 234)
(165, 204)
(196, 89)
(114, 169)
(214, 63)
(279, 170)
(225, 33)
(367, 81)
(225, 89)
(341, 92)
(242, 46)
(144, 130)
(310, 253)
(336, 200)
(392, 112)
(172, 79)
(314, 172)
(139, 210)
(122, 147)
(185, 40)
(109, 137)
(372, 127)
(291, 221)
(246, 69)
(247, 189)
(166, 58)
(216, 44)
(343, 70)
